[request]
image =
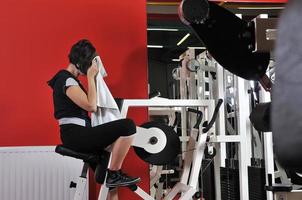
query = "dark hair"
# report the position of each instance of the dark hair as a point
(81, 55)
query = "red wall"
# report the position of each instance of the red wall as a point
(35, 37)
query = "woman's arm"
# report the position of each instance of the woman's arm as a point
(79, 97)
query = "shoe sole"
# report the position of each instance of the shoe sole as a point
(123, 184)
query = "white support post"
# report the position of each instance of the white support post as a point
(191, 75)
(183, 114)
(143, 194)
(268, 149)
(269, 162)
(244, 128)
(221, 118)
(81, 185)
(219, 159)
(197, 161)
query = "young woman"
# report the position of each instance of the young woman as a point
(71, 106)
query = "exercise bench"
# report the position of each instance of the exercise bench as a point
(99, 159)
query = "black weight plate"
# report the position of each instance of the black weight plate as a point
(169, 153)
(195, 11)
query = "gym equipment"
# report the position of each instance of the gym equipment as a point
(161, 102)
(152, 140)
(193, 65)
(193, 158)
(208, 86)
(230, 183)
(101, 159)
(169, 153)
(227, 38)
(265, 34)
(155, 141)
(191, 11)
(220, 37)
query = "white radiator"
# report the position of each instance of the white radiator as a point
(37, 173)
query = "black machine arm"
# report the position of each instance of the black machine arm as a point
(199, 116)
(215, 114)
(228, 38)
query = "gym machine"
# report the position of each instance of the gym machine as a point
(154, 143)
(237, 46)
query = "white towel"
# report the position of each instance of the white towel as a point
(107, 109)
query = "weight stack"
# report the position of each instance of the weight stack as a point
(208, 179)
(230, 187)
(256, 183)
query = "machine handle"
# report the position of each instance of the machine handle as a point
(216, 110)
(199, 116)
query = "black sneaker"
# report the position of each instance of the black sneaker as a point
(118, 179)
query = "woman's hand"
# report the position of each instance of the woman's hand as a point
(92, 70)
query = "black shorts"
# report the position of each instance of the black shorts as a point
(95, 139)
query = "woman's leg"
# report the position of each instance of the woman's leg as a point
(118, 133)
(93, 139)
(119, 152)
(115, 176)
(112, 195)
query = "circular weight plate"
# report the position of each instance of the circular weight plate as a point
(170, 151)
(194, 11)
(193, 65)
(143, 139)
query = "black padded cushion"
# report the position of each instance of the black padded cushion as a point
(60, 149)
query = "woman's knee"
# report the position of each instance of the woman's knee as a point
(129, 127)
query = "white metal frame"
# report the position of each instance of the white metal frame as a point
(188, 184)
(243, 138)
(244, 127)
(81, 183)
(188, 190)
(269, 162)
(80, 189)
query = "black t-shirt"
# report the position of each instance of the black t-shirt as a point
(63, 105)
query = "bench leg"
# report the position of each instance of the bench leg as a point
(81, 183)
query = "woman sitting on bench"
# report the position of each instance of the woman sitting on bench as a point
(71, 106)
